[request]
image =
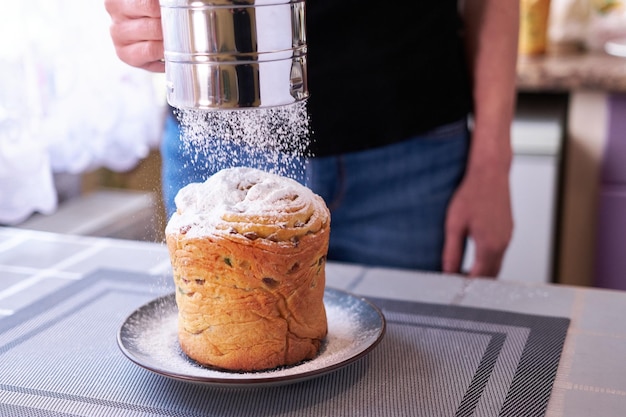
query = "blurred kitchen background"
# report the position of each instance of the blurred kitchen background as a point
(79, 134)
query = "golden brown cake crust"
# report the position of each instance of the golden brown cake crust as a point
(247, 302)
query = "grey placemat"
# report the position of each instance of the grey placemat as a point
(59, 357)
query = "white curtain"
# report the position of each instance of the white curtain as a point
(67, 104)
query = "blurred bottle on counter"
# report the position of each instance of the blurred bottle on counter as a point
(568, 25)
(533, 36)
(607, 27)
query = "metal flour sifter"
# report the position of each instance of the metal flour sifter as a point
(234, 54)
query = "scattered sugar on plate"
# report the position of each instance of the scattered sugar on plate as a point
(152, 340)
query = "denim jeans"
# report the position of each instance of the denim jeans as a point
(388, 204)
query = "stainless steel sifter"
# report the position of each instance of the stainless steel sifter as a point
(231, 54)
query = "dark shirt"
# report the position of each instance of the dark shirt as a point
(382, 72)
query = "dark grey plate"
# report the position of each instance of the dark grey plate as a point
(148, 337)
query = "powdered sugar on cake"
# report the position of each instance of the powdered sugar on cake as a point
(244, 195)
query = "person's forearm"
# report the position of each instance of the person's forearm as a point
(491, 31)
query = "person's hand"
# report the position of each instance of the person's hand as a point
(136, 32)
(480, 209)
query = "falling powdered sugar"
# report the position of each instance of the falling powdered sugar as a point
(275, 139)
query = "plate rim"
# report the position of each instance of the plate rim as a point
(261, 381)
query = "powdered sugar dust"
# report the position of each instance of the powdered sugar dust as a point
(275, 139)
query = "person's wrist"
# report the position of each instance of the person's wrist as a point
(493, 157)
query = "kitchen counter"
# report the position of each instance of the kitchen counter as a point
(569, 72)
(590, 380)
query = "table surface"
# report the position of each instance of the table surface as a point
(591, 377)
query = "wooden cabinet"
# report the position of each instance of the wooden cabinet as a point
(590, 214)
